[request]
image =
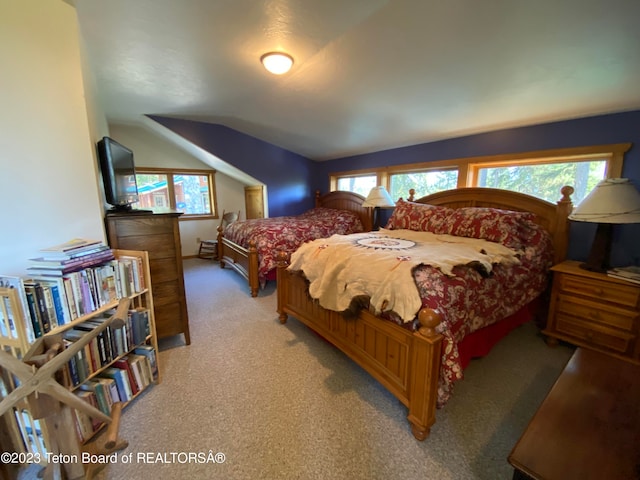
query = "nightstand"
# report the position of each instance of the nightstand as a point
(594, 311)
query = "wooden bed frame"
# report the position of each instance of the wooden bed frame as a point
(408, 363)
(244, 260)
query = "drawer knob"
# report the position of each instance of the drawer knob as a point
(594, 315)
(598, 291)
(590, 335)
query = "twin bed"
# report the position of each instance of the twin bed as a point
(418, 351)
(250, 247)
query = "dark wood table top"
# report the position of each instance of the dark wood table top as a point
(588, 427)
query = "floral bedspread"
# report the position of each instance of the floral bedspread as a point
(468, 302)
(467, 298)
(288, 233)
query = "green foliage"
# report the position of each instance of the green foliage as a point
(424, 183)
(545, 180)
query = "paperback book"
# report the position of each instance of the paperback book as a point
(630, 273)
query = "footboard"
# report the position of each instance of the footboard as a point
(406, 363)
(242, 260)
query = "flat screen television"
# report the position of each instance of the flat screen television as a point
(118, 174)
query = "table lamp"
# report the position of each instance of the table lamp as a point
(378, 198)
(612, 201)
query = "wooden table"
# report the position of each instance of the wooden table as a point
(588, 427)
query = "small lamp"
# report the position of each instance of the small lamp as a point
(378, 198)
(612, 201)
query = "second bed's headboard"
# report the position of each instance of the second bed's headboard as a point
(343, 200)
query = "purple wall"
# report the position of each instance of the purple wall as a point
(600, 130)
(291, 179)
(287, 175)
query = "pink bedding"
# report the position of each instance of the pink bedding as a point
(288, 233)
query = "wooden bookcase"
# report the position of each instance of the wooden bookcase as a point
(14, 339)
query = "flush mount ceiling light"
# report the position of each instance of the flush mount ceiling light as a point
(277, 62)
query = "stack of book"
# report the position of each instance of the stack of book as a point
(70, 256)
(74, 279)
(630, 274)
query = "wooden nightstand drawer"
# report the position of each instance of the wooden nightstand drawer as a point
(604, 337)
(594, 312)
(601, 290)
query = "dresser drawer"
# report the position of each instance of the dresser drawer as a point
(594, 312)
(601, 290)
(603, 337)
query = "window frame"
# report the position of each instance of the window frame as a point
(468, 168)
(170, 173)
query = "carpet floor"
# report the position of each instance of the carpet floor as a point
(277, 402)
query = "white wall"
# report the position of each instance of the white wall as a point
(48, 186)
(152, 150)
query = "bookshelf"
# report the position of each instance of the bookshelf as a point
(131, 348)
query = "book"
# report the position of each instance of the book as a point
(136, 368)
(73, 245)
(149, 352)
(34, 311)
(53, 269)
(59, 294)
(123, 364)
(624, 277)
(101, 396)
(7, 320)
(122, 382)
(630, 273)
(84, 425)
(17, 283)
(140, 324)
(99, 253)
(111, 387)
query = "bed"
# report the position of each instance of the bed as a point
(250, 246)
(420, 360)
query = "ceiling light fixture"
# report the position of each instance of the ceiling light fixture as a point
(277, 62)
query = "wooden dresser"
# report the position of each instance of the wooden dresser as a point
(594, 311)
(588, 427)
(158, 234)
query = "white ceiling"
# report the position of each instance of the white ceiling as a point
(368, 74)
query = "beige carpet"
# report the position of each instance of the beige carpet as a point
(280, 403)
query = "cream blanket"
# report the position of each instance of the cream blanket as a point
(380, 265)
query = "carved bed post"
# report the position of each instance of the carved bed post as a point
(564, 209)
(254, 284)
(283, 287)
(425, 373)
(220, 247)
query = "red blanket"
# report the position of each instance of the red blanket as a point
(288, 233)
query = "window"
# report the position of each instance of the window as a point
(361, 184)
(540, 174)
(545, 180)
(188, 191)
(424, 182)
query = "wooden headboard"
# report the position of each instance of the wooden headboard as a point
(552, 217)
(343, 200)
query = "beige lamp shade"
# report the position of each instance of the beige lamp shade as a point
(378, 197)
(613, 200)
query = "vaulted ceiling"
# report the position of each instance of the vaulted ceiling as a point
(368, 74)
